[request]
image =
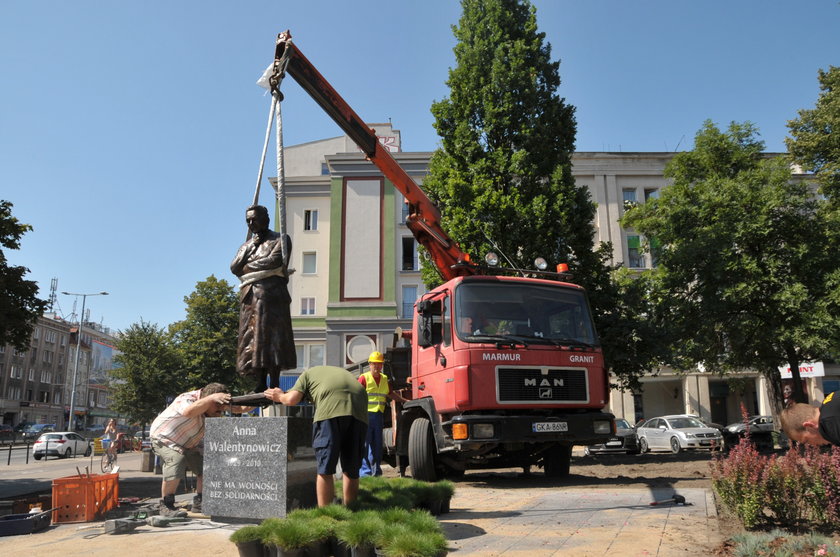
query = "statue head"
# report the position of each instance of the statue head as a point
(257, 218)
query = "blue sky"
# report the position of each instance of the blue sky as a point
(130, 132)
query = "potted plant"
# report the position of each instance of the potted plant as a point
(289, 537)
(444, 490)
(406, 542)
(360, 533)
(248, 541)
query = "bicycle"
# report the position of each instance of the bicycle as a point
(109, 458)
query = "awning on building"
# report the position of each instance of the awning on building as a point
(103, 413)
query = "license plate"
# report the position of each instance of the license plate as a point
(540, 427)
(613, 443)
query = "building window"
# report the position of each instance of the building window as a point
(409, 296)
(634, 253)
(316, 355)
(655, 251)
(31, 375)
(29, 395)
(309, 263)
(44, 396)
(36, 332)
(651, 194)
(57, 397)
(48, 357)
(310, 219)
(409, 254)
(404, 212)
(629, 198)
(309, 355)
(325, 170)
(307, 306)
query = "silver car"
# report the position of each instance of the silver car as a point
(677, 433)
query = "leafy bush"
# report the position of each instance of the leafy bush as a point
(798, 490)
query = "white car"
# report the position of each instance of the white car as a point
(676, 433)
(61, 443)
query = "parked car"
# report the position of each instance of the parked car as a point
(677, 433)
(61, 443)
(7, 433)
(144, 439)
(760, 428)
(32, 432)
(95, 430)
(624, 441)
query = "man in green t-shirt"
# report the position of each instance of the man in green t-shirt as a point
(339, 429)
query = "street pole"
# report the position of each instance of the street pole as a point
(71, 417)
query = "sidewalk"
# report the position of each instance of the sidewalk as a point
(533, 520)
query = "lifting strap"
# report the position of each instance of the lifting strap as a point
(278, 72)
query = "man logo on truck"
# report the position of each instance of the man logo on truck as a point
(544, 382)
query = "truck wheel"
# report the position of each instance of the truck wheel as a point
(421, 456)
(557, 460)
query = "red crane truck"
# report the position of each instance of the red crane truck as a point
(504, 371)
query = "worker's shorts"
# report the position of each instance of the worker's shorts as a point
(175, 464)
(341, 438)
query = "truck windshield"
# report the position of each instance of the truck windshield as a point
(522, 312)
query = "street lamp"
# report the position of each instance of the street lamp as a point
(78, 350)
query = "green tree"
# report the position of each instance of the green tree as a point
(815, 144)
(744, 275)
(19, 305)
(149, 370)
(206, 339)
(502, 177)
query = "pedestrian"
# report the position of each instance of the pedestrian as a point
(378, 389)
(109, 436)
(814, 425)
(338, 429)
(178, 439)
(266, 344)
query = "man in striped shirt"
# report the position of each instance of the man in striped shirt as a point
(178, 439)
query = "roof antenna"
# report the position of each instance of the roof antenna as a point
(678, 143)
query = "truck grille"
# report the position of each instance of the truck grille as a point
(541, 386)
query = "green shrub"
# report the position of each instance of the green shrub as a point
(247, 534)
(290, 534)
(363, 528)
(336, 512)
(404, 542)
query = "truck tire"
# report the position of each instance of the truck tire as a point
(557, 460)
(421, 452)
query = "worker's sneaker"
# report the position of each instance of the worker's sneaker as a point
(196, 504)
(167, 508)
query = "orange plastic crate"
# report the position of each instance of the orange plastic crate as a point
(84, 499)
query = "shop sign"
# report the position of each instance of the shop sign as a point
(806, 369)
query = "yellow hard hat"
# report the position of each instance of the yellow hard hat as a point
(376, 357)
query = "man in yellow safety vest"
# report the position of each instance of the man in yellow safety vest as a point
(379, 391)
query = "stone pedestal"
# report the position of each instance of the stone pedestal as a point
(256, 468)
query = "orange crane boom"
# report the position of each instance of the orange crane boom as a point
(423, 216)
